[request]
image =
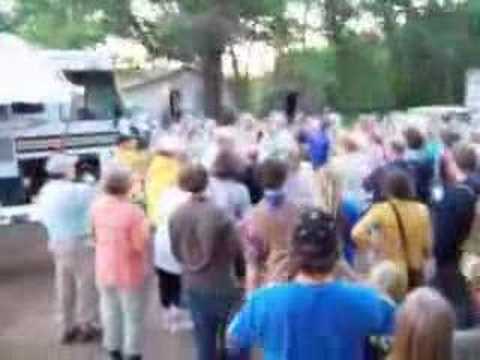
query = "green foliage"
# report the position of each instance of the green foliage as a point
(68, 23)
(312, 72)
(353, 77)
(364, 76)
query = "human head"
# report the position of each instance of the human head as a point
(350, 144)
(62, 166)
(425, 325)
(398, 185)
(193, 178)
(168, 146)
(126, 142)
(314, 248)
(224, 138)
(227, 165)
(450, 138)
(228, 117)
(390, 279)
(466, 158)
(414, 138)
(273, 174)
(396, 149)
(117, 180)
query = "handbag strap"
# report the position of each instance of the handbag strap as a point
(401, 228)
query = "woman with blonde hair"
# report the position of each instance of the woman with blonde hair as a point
(425, 326)
(398, 229)
(390, 280)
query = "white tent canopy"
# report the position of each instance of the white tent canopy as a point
(28, 77)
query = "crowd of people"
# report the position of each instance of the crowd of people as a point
(302, 241)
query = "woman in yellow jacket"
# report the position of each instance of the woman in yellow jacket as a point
(398, 229)
(128, 154)
(162, 173)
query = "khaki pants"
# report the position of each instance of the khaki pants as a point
(77, 299)
(122, 312)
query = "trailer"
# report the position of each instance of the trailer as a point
(50, 101)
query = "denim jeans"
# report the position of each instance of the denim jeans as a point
(122, 314)
(210, 312)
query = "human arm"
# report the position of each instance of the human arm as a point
(361, 233)
(175, 238)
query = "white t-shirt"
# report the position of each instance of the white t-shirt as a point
(168, 203)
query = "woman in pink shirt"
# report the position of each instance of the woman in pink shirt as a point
(121, 232)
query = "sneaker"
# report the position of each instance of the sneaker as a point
(166, 319)
(115, 355)
(89, 333)
(70, 336)
(134, 357)
(180, 320)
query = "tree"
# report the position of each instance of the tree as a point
(202, 30)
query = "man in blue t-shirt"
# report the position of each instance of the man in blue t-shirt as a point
(314, 317)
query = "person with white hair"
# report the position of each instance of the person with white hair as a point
(223, 139)
(63, 208)
(300, 182)
(121, 234)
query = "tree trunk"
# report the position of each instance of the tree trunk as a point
(213, 84)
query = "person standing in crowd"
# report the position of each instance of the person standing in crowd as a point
(268, 229)
(205, 242)
(453, 217)
(373, 183)
(315, 316)
(299, 185)
(167, 267)
(424, 329)
(278, 141)
(348, 171)
(223, 140)
(420, 166)
(398, 229)
(250, 175)
(390, 280)
(129, 154)
(121, 233)
(224, 188)
(450, 140)
(63, 207)
(318, 144)
(162, 173)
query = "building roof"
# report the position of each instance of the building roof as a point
(128, 80)
(80, 60)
